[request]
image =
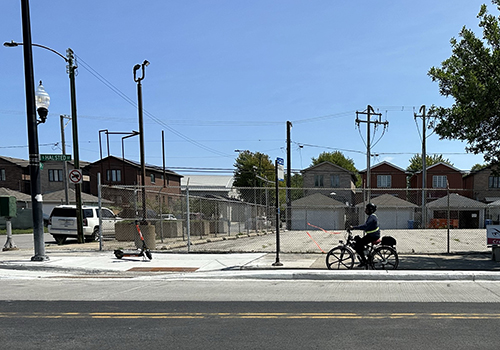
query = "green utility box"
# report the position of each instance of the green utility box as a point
(8, 206)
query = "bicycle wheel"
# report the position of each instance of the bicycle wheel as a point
(340, 258)
(384, 258)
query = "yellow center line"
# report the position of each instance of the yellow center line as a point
(247, 315)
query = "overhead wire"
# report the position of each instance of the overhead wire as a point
(107, 83)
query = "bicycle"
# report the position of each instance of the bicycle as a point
(380, 255)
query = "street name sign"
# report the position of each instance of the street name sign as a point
(56, 157)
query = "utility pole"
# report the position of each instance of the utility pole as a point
(65, 165)
(369, 112)
(424, 163)
(288, 177)
(70, 59)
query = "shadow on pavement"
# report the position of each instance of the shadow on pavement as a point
(455, 261)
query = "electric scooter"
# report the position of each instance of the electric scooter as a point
(143, 251)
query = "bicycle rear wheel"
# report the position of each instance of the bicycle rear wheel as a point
(384, 258)
(340, 258)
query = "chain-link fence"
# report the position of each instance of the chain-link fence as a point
(309, 219)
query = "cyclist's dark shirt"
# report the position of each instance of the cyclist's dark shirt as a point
(370, 226)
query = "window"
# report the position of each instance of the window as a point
(2, 174)
(55, 175)
(318, 181)
(334, 180)
(439, 181)
(494, 182)
(114, 175)
(384, 181)
(153, 178)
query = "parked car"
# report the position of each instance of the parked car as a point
(167, 216)
(63, 224)
(257, 223)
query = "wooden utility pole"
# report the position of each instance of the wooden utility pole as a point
(424, 163)
(369, 112)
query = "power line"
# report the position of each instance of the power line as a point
(150, 115)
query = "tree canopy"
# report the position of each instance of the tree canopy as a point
(472, 77)
(336, 158)
(416, 162)
(250, 166)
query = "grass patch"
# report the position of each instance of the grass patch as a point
(20, 232)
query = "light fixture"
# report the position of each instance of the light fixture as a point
(42, 101)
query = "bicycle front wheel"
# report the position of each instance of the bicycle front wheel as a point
(340, 258)
(384, 258)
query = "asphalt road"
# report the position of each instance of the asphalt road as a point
(247, 325)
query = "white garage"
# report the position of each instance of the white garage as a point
(392, 212)
(318, 210)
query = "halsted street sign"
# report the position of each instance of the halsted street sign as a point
(56, 157)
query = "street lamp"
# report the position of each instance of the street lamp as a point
(141, 132)
(71, 68)
(34, 154)
(42, 102)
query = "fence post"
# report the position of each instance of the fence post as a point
(277, 263)
(99, 201)
(188, 222)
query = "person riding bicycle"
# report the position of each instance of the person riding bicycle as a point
(372, 232)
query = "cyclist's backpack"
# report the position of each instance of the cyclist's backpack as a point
(388, 240)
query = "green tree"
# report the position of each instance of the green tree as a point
(478, 166)
(250, 166)
(416, 162)
(339, 159)
(252, 170)
(472, 77)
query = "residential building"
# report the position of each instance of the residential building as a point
(386, 178)
(484, 184)
(439, 178)
(14, 174)
(121, 175)
(330, 180)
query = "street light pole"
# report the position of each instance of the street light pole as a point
(34, 154)
(141, 132)
(71, 72)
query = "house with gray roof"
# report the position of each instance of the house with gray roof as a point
(392, 212)
(464, 212)
(319, 210)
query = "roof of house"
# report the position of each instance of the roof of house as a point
(384, 163)
(389, 201)
(19, 195)
(329, 163)
(59, 197)
(16, 161)
(207, 181)
(136, 165)
(456, 201)
(441, 163)
(317, 200)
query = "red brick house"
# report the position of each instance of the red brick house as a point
(439, 177)
(386, 178)
(124, 172)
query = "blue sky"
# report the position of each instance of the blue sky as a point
(228, 74)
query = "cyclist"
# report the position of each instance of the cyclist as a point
(372, 232)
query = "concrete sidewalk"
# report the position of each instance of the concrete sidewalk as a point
(81, 260)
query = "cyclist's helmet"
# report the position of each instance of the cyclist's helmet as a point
(371, 208)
